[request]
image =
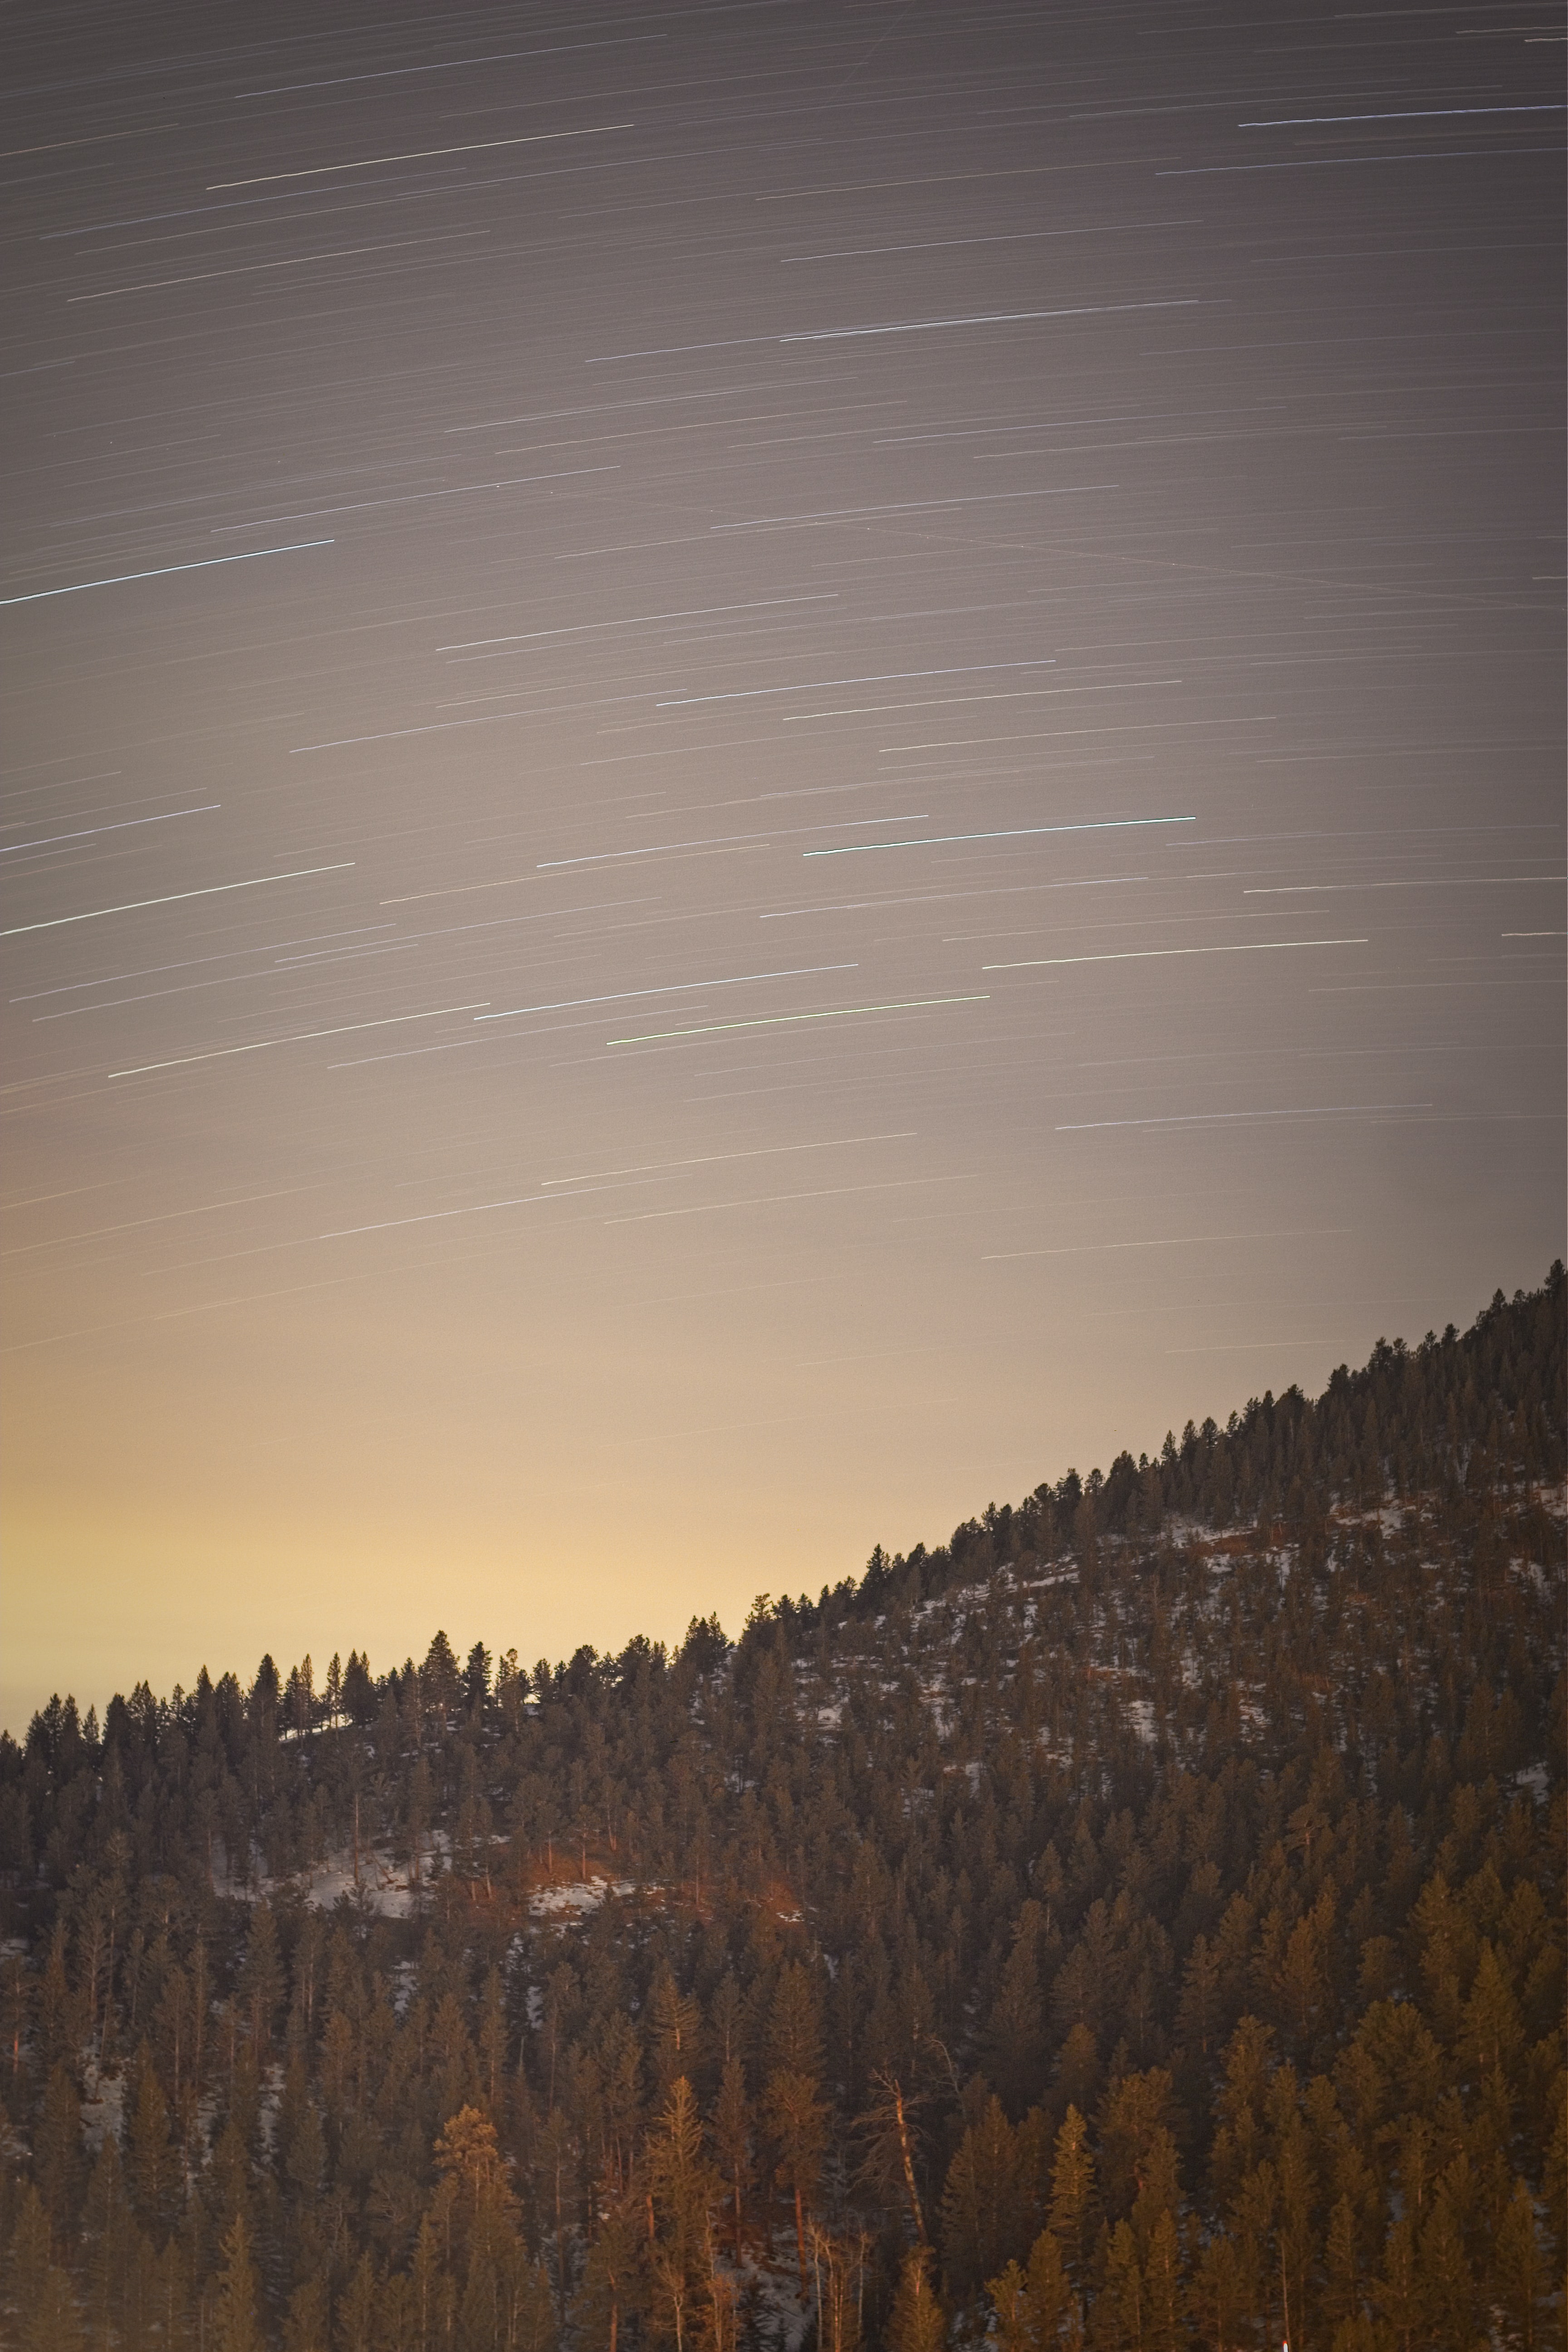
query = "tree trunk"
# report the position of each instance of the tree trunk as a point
(909, 2163)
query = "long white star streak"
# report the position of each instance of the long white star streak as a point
(1349, 162)
(711, 1158)
(876, 678)
(213, 891)
(634, 619)
(413, 499)
(1230, 1118)
(672, 988)
(443, 1216)
(1010, 832)
(167, 1217)
(708, 841)
(776, 1200)
(297, 1037)
(788, 1020)
(1416, 882)
(895, 327)
(589, 1185)
(1063, 734)
(53, 840)
(443, 65)
(1144, 955)
(419, 155)
(189, 964)
(909, 506)
(950, 701)
(253, 269)
(1412, 115)
(165, 571)
(939, 897)
(1169, 1241)
(1017, 237)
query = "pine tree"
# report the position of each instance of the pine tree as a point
(918, 2322)
(107, 2228)
(1491, 2036)
(1072, 2213)
(153, 2167)
(675, 2029)
(614, 2287)
(533, 2312)
(1448, 2276)
(306, 2326)
(435, 2296)
(1220, 2294)
(1120, 2316)
(28, 2266)
(236, 2323)
(357, 2310)
(1523, 2274)
(1165, 2294)
(733, 2142)
(1400, 2292)
(1342, 2299)
(795, 2121)
(1013, 2049)
(396, 2317)
(138, 2297)
(988, 2206)
(793, 2038)
(1198, 2016)
(51, 2322)
(683, 2189)
(1031, 2303)
(58, 2152)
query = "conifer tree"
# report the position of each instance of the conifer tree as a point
(1523, 2274)
(237, 2322)
(1072, 2209)
(107, 2229)
(918, 2322)
(306, 2325)
(796, 2120)
(731, 2137)
(683, 2189)
(675, 2027)
(1032, 2303)
(58, 2151)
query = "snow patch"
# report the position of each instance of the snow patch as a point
(575, 1901)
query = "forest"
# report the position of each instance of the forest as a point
(1135, 1922)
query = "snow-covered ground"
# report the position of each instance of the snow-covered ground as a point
(384, 1883)
(103, 2107)
(381, 1886)
(574, 1900)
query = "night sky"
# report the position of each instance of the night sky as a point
(764, 766)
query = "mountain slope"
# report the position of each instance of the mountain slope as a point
(1158, 1887)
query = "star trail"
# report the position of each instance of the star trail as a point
(467, 474)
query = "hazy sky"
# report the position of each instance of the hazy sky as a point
(764, 766)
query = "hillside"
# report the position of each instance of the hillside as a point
(1138, 1920)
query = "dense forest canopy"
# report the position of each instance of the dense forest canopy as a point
(1138, 1922)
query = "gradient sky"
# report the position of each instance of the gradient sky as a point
(764, 766)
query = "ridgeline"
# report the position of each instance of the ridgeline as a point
(1138, 1922)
